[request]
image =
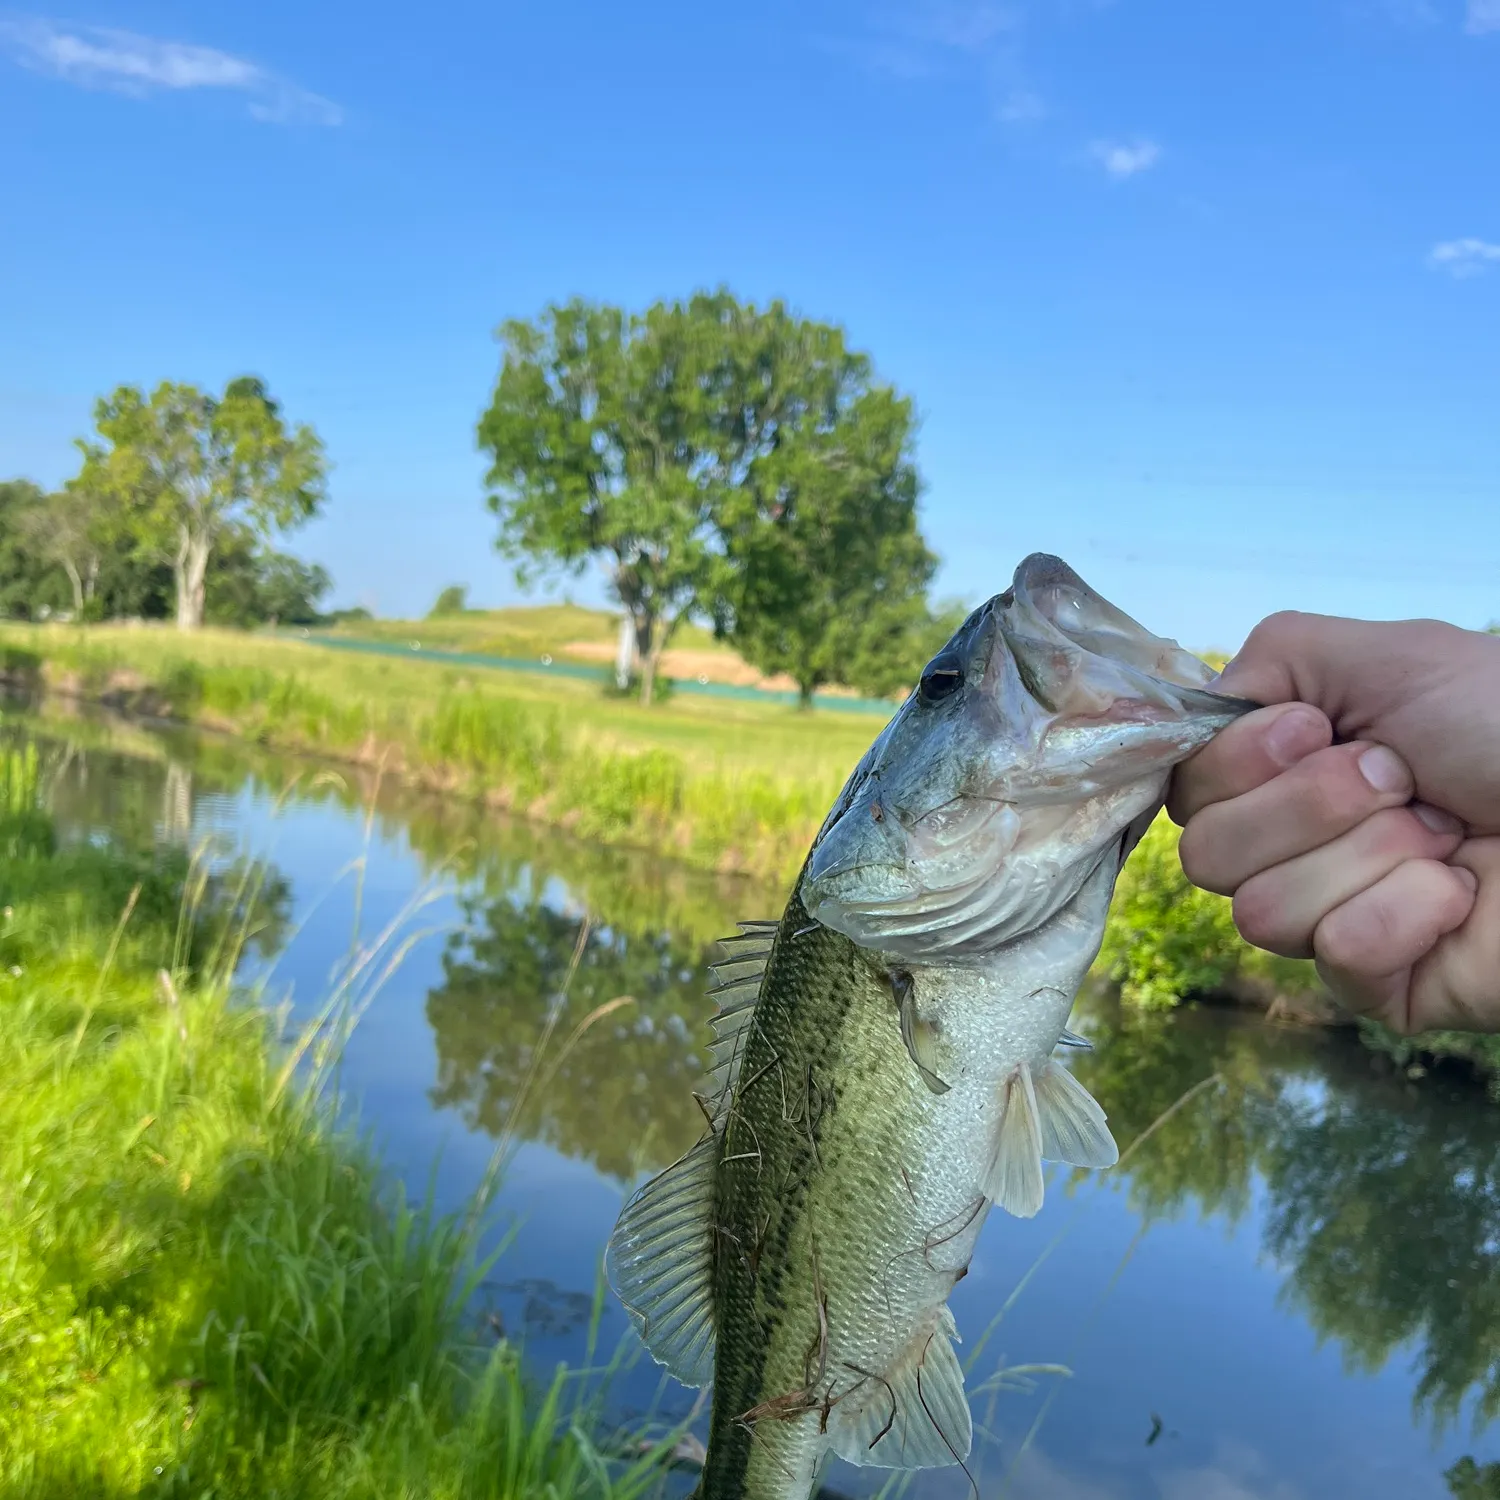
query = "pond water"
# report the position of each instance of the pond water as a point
(1289, 1289)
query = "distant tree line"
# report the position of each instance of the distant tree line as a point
(171, 514)
(738, 464)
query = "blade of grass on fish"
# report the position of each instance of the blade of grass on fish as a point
(995, 1384)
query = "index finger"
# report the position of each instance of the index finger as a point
(1246, 755)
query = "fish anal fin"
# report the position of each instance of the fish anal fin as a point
(1074, 1128)
(660, 1264)
(913, 1415)
(1015, 1182)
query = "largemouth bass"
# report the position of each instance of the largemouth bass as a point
(885, 1052)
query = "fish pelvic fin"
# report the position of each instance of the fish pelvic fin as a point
(913, 1415)
(1015, 1177)
(1049, 1114)
(659, 1262)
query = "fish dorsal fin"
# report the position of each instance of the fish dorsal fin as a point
(913, 1415)
(660, 1257)
(659, 1262)
(1051, 1115)
(736, 988)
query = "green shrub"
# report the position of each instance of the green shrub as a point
(1167, 940)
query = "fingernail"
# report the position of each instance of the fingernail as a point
(1436, 819)
(1468, 877)
(1294, 736)
(1384, 769)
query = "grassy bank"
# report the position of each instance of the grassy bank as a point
(724, 784)
(205, 1287)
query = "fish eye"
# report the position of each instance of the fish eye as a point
(943, 677)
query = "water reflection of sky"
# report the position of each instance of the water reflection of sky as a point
(1187, 1320)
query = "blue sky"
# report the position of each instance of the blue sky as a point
(1204, 297)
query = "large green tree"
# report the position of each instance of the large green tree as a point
(193, 466)
(737, 462)
(600, 435)
(824, 573)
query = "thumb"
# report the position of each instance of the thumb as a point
(1294, 657)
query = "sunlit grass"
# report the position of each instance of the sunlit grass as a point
(207, 1287)
(722, 782)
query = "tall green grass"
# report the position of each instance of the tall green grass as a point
(207, 1288)
(721, 784)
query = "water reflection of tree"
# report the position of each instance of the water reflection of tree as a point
(1468, 1480)
(1382, 1201)
(1388, 1209)
(1206, 1150)
(622, 1097)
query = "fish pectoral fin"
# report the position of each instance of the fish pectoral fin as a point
(917, 1034)
(660, 1263)
(1074, 1129)
(913, 1415)
(1014, 1182)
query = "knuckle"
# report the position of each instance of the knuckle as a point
(1339, 942)
(1330, 795)
(1275, 629)
(1395, 833)
(1262, 920)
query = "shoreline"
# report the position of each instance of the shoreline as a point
(473, 742)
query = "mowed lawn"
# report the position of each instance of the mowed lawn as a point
(567, 632)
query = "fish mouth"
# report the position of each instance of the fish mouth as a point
(958, 834)
(1087, 660)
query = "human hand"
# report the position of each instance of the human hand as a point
(1321, 844)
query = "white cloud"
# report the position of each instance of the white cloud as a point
(1125, 158)
(970, 28)
(1237, 1473)
(1466, 257)
(98, 57)
(1482, 16)
(1022, 107)
(925, 39)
